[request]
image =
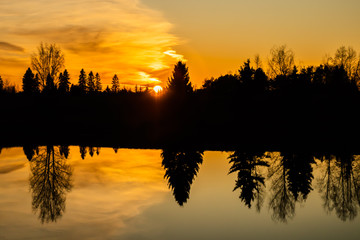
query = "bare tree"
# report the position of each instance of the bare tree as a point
(49, 60)
(347, 58)
(257, 61)
(281, 61)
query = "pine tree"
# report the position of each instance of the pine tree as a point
(115, 84)
(50, 86)
(107, 90)
(1, 84)
(179, 83)
(91, 82)
(64, 83)
(82, 81)
(30, 83)
(98, 86)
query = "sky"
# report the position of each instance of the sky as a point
(141, 40)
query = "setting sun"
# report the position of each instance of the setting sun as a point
(157, 89)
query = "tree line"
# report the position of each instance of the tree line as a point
(338, 73)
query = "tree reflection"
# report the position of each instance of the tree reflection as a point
(291, 176)
(50, 180)
(64, 151)
(250, 181)
(340, 185)
(30, 151)
(83, 152)
(181, 167)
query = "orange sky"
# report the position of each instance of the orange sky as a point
(141, 40)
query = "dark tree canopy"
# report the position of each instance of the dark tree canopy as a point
(64, 83)
(98, 86)
(82, 81)
(30, 82)
(115, 86)
(91, 82)
(179, 83)
(50, 86)
(1, 84)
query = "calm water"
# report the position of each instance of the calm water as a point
(156, 194)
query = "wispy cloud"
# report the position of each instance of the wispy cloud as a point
(10, 47)
(120, 37)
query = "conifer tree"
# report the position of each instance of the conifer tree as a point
(91, 82)
(82, 81)
(179, 83)
(107, 90)
(50, 86)
(1, 84)
(30, 83)
(98, 86)
(115, 84)
(64, 83)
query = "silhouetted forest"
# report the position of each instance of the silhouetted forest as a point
(313, 108)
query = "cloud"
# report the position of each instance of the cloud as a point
(120, 37)
(10, 47)
(11, 167)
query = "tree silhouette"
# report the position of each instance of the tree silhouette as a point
(115, 86)
(282, 202)
(83, 152)
(1, 84)
(49, 60)
(299, 174)
(346, 58)
(91, 151)
(64, 83)
(98, 86)
(30, 151)
(64, 151)
(179, 83)
(340, 185)
(181, 167)
(281, 61)
(30, 84)
(50, 86)
(82, 81)
(250, 180)
(49, 181)
(91, 82)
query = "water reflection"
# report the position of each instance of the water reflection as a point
(181, 168)
(339, 185)
(30, 151)
(291, 177)
(250, 179)
(280, 181)
(49, 181)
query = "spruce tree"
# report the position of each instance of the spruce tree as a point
(30, 82)
(115, 84)
(50, 86)
(98, 86)
(179, 83)
(64, 83)
(91, 82)
(1, 84)
(82, 81)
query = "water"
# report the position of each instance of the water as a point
(125, 195)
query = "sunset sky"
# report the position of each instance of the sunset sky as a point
(141, 40)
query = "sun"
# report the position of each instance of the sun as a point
(157, 89)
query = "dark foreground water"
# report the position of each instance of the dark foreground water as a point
(65, 193)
